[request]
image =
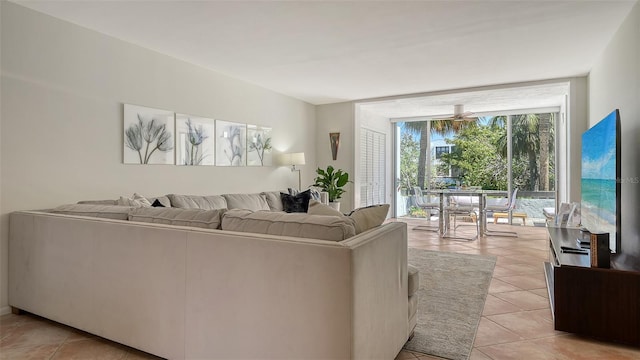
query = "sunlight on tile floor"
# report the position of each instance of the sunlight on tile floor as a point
(516, 322)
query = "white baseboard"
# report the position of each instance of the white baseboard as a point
(5, 310)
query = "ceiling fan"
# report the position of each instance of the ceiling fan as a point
(460, 115)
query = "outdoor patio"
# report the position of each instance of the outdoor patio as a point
(530, 204)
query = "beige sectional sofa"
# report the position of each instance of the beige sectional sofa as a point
(179, 287)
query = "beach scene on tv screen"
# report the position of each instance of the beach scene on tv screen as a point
(598, 204)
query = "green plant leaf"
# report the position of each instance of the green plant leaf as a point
(342, 180)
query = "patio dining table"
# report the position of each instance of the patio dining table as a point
(481, 194)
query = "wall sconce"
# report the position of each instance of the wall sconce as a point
(294, 159)
(335, 143)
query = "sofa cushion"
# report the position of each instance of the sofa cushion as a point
(274, 200)
(253, 202)
(136, 200)
(298, 225)
(209, 202)
(414, 279)
(95, 210)
(99, 202)
(369, 217)
(298, 203)
(208, 219)
(318, 208)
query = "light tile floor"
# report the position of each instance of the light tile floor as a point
(31, 337)
(516, 322)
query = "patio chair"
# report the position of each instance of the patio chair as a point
(465, 206)
(428, 204)
(505, 207)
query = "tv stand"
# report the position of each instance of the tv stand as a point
(602, 303)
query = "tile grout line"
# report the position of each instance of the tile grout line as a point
(60, 346)
(504, 328)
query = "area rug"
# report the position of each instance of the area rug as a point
(453, 288)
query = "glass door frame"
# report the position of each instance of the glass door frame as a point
(396, 137)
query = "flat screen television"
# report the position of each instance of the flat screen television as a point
(600, 194)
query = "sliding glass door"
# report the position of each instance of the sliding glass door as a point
(491, 153)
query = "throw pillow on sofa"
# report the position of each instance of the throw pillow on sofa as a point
(208, 219)
(369, 217)
(160, 200)
(157, 203)
(136, 201)
(313, 191)
(364, 218)
(298, 203)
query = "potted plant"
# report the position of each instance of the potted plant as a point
(332, 181)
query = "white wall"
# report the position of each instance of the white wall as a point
(614, 83)
(63, 89)
(336, 117)
(577, 124)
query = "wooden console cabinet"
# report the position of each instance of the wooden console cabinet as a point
(602, 303)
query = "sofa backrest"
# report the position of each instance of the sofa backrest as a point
(94, 210)
(208, 202)
(163, 200)
(253, 202)
(268, 200)
(274, 200)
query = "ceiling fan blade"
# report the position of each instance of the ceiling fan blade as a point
(452, 117)
(466, 118)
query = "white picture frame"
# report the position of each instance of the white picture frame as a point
(148, 135)
(195, 140)
(259, 146)
(231, 139)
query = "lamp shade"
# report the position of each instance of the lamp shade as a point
(297, 158)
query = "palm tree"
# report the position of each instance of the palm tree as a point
(438, 127)
(531, 137)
